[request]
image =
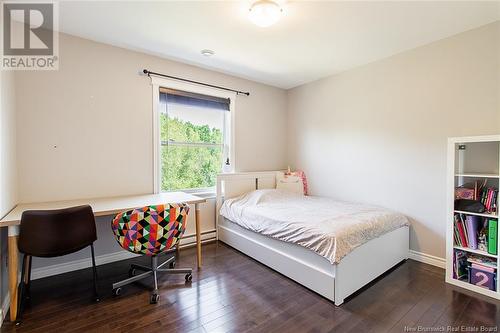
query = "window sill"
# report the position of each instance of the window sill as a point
(206, 193)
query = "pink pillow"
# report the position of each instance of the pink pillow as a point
(301, 174)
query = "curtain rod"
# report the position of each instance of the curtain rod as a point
(149, 73)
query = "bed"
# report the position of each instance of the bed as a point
(333, 248)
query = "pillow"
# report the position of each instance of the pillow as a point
(292, 181)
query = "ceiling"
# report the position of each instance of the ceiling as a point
(311, 41)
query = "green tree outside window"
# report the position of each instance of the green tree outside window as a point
(191, 155)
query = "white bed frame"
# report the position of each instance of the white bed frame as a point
(334, 282)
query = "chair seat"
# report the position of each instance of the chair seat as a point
(150, 230)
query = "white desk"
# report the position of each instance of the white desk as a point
(101, 207)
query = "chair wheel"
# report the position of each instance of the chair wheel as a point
(154, 299)
(131, 272)
(172, 264)
(188, 277)
(117, 291)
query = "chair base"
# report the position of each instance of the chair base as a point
(153, 270)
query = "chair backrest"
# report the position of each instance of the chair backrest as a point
(150, 230)
(52, 233)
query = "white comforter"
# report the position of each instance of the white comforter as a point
(328, 227)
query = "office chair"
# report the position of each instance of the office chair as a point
(54, 233)
(151, 231)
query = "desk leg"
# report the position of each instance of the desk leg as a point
(198, 234)
(13, 268)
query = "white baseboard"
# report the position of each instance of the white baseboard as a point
(190, 240)
(427, 259)
(74, 265)
(46, 271)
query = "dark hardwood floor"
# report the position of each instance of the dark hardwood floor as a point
(233, 293)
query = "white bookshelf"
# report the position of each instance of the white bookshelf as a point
(479, 161)
(476, 214)
(483, 253)
(477, 175)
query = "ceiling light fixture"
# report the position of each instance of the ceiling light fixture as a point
(207, 53)
(265, 13)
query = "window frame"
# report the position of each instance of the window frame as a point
(159, 82)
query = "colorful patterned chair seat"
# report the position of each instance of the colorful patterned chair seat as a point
(150, 230)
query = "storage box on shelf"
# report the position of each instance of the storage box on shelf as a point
(472, 229)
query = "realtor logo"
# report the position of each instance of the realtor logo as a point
(29, 36)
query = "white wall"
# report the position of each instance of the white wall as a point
(378, 133)
(8, 165)
(86, 129)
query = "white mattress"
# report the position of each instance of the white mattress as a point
(330, 228)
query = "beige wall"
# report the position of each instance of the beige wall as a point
(8, 165)
(85, 130)
(378, 133)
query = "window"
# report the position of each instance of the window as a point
(194, 135)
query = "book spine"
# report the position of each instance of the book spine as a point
(495, 200)
(472, 231)
(458, 241)
(483, 196)
(483, 267)
(492, 236)
(488, 200)
(464, 228)
(462, 234)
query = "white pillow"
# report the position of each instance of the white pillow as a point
(289, 183)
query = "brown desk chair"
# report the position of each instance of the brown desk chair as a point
(54, 233)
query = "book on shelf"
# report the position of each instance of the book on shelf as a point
(492, 236)
(489, 198)
(472, 223)
(482, 261)
(483, 267)
(476, 232)
(460, 231)
(460, 271)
